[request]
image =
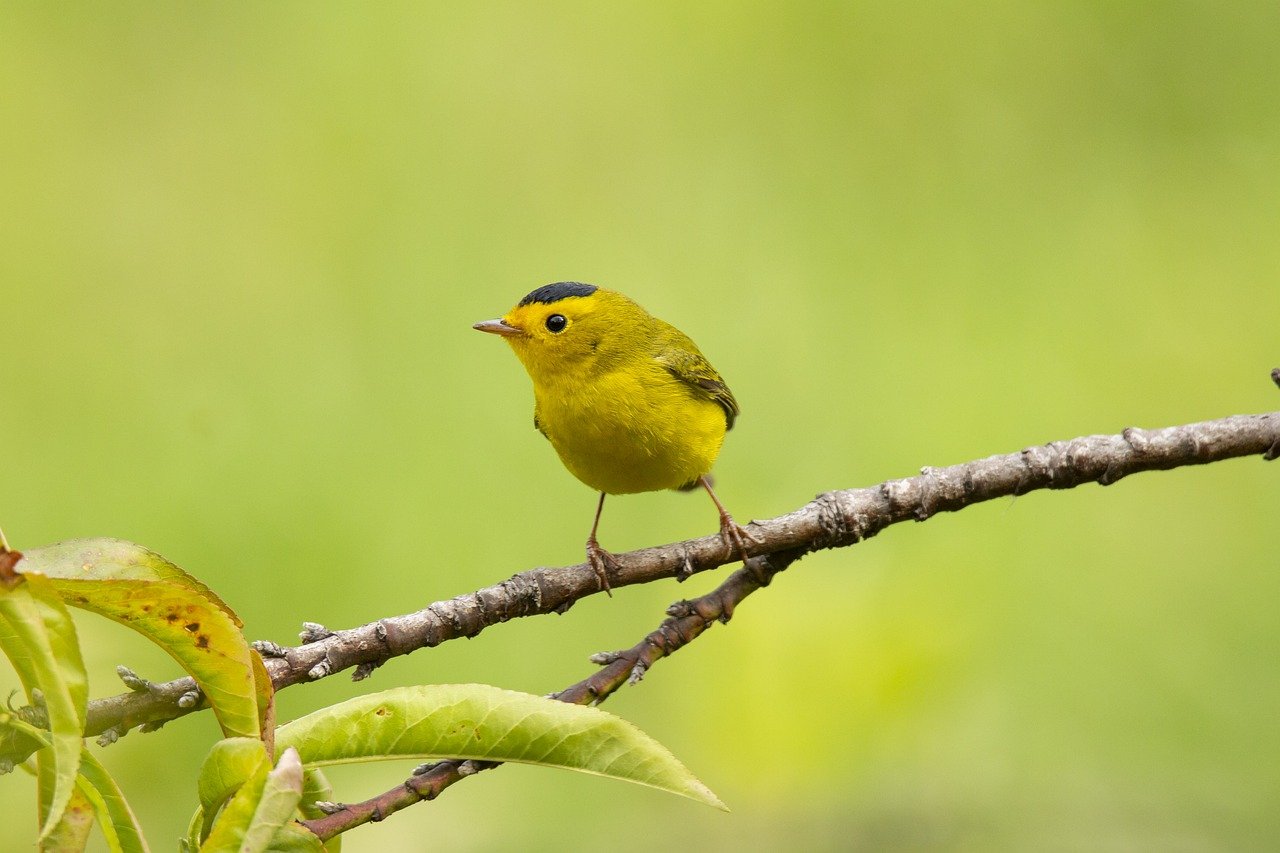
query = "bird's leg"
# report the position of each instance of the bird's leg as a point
(733, 535)
(598, 558)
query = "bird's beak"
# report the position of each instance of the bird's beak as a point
(498, 327)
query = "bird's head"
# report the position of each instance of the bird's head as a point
(568, 327)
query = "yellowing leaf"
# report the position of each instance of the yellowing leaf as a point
(265, 694)
(112, 559)
(142, 590)
(487, 723)
(71, 832)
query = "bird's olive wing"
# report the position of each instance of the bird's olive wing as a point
(687, 364)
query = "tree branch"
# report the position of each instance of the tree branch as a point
(832, 520)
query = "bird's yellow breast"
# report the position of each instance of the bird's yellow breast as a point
(636, 428)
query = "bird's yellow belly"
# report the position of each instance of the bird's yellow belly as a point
(622, 434)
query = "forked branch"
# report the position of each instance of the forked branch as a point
(831, 520)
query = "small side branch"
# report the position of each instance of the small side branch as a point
(685, 622)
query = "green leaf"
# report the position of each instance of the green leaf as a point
(279, 800)
(190, 842)
(230, 827)
(230, 764)
(263, 805)
(37, 635)
(118, 822)
(487, 723)
(315, 786)
(16, 746)
(144, 591)
(295, 838)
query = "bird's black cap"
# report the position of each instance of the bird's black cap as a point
(550, 293)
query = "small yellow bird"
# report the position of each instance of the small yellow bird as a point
(628, 401)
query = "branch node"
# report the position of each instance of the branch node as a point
(605, 658)
(313, 632)
(679, 609)
(365, 670)
(133, 681)
(838, 525)
(687, 568)
(637, 673)
(1136, 439)
(34, 715)
(6, 766)
(189, 700)
(469, 767)
(268, 649)
(329, 807)
(321, 670)
(759, 572)
(112, 735)
(152, 726)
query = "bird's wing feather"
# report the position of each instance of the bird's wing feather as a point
(681, 357)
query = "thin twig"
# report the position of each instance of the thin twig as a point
(685, 622)
(832, 520)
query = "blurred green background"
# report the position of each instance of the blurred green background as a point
(241, 249)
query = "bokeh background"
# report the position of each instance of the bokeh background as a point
(241, 249)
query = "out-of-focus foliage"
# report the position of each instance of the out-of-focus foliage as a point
(241, 249)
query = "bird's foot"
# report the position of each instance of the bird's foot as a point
(602, 562)
(735, 536)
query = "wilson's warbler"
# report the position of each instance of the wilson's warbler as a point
(628, 401)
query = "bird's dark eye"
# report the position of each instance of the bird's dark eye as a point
(556, 323)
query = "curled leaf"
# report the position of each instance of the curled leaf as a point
(142, 590)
